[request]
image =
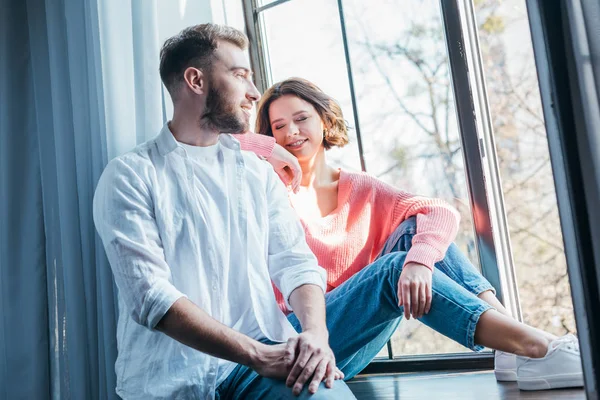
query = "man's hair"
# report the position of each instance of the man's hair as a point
(336, 129)
(194, 46)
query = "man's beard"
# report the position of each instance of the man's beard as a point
(222, 115)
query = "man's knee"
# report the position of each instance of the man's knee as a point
(339, 391)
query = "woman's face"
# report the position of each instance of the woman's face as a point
(296, 126)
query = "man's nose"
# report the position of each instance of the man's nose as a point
(253, 93)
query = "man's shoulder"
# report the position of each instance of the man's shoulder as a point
(136, 161)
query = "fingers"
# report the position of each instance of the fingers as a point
(321, 371)
(284, 176)
(296, 176)
(422, 300)
(302, 359)
(308, 371)
(400, 293)
(414, 299)
(290, 351)
(330, 374)
(428, 298)
(339, 374)
(297, 369)
(406, 299)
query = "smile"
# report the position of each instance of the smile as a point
(296, 144)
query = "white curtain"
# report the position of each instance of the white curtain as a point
(79, 84)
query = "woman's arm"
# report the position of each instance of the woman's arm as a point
(261, 145)
(437, 226)
(284, 163)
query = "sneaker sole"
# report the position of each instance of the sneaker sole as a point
(506, 375)
(551, 382)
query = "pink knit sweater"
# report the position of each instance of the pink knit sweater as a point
(368, 211)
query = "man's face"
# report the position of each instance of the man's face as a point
(231, 92)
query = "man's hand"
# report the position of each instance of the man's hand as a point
(273, 361)
(414, 290)
(286, 166)
(313, 359)
(276, 361)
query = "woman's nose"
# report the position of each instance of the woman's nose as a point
(293, 129)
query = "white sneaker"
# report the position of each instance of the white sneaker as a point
(559, 368)
(505, 366)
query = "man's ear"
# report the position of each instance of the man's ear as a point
(195, 80)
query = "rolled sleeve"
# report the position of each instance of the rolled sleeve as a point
(293, 281)
(291, 262)
(124, 219)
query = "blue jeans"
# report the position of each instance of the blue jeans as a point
(363, 314)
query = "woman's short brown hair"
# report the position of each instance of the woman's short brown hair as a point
(336, 129)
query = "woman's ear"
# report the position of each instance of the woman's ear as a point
(195, 80)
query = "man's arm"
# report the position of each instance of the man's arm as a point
(315, 360)
(192, 326)
(294, 270)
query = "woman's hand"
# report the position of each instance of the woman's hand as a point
(414, 290)
(287, 167)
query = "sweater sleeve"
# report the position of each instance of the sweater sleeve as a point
(437, 226)
(261, 145)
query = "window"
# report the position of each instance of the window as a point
(524, 165)
(408, 129)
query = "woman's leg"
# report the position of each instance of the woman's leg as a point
(366, 305)
(455, 265)
(501, 332)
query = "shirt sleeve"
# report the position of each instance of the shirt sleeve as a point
(261, 145)
(291, 262)
(437, 226)
(124, 219)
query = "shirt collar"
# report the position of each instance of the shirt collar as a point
(166, 142)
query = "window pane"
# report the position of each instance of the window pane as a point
(524, 161)
(407, 116)
(408, 120)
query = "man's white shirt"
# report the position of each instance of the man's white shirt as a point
(213, 224)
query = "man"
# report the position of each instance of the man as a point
(195, 231)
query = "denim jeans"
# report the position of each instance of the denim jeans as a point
(363, 313)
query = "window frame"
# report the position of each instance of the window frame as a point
(565, 42)
(481, 166)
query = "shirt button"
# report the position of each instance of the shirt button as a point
(214, 287)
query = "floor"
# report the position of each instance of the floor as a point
(476, 385)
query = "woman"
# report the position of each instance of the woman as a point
(353, 220)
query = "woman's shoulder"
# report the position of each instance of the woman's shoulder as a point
(364, 181)
(361, 186)
(356, 177)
